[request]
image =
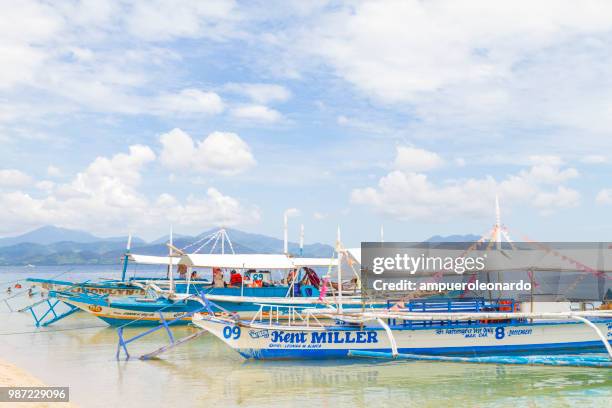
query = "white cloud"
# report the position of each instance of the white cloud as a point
(53, 171)
(563, 197)
(104, 197)
(413, 195)
(14, 178)
(165, 20)
(259, 92)
(257, 113)
(414, 159)
(292, 212)
(483, 66)
(105, 56)
(319, 215)
(190, 101)
(214, 209)
(547, 169)
(594, 159)
(220, 152)
(455, 44)
(45, 185)
(604, 196)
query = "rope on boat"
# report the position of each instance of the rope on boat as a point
(559, 360)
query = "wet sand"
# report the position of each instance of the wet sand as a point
(13, 376)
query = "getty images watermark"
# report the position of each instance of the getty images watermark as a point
(522, 271)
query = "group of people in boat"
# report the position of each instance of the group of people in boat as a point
(255, 278)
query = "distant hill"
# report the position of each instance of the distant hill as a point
(454, 238)
(50, 234)
(88, 249)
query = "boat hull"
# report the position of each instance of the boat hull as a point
(115, 288)
(133, 313)
(136, 312)
(463, 340)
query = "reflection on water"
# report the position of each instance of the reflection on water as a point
(80, 350)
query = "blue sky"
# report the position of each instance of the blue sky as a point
(133, 116)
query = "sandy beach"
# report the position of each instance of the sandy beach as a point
(13, 376)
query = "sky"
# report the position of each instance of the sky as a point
(120, 117)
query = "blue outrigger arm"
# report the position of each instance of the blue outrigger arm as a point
(122, 343)
(52, 304)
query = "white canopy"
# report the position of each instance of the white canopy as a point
(355, 253)
(152, 260)
(314, 262)
(253, 261)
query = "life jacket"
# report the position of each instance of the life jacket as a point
(235, 279)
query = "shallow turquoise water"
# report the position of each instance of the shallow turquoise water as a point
(80, 350)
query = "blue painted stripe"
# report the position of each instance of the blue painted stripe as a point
(523, 349)
(133, 322)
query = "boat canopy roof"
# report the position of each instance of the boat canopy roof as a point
(254, 261)
(152, 260)
(355, 253)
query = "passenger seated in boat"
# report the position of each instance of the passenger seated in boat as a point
(182, 270)
(291, 276)
(235, 278)
(194, 275)
(218, 278)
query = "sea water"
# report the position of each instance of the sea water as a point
(79, 352)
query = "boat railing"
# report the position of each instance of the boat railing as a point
(471, 305)
(273, 314)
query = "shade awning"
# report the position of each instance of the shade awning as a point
(152, 260)
(355, 253)
(253, 261)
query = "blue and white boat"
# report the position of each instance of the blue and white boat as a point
(408, 333)
(256, 286)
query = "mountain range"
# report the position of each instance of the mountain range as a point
(51, 245)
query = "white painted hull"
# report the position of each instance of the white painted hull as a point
(539, 337)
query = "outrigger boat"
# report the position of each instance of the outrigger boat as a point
(427, 332)
(125, 286)
(302, 288)
(55, 291)
(451, 328)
